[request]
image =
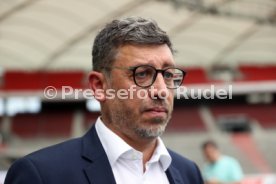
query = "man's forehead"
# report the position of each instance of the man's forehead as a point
(145, 54)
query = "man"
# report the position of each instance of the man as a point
(220, 169)
(131, 55)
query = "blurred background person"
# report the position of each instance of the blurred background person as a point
(219, 168)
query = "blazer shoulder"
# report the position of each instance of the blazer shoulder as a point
(186, 167)
(68, 148)
(43, 165)
(23, 171)
(177, 158)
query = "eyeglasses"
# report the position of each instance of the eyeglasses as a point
(145, 75)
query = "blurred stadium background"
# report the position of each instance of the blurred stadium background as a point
(220, 42)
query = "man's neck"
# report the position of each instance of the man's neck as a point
(145, 145)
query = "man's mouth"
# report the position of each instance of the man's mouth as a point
(156, 111)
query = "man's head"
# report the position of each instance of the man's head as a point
(120, 52)
(210, 151)
(118, 33)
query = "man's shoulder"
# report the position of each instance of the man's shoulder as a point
(53, 155)
(45, 164)
(177, 157)
(231, 162)
(228, 159)
(188, 169)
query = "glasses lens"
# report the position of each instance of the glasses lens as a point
(173, 77)
(144, 75)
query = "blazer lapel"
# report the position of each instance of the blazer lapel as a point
(174, 176)
(98, 171)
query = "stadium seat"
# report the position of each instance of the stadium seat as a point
(257, 73)
(186, 119)
(264, 114)
(45, 124)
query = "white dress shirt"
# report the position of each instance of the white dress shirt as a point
(127, 163)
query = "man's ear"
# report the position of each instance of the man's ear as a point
(97, 83)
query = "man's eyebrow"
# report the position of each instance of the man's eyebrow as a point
(168, 65)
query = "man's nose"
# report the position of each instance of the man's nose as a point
(160, 87)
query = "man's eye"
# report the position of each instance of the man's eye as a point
(141, 74)
(144, 74)
(168, 75)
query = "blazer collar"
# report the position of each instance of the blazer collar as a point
(99, 170)
(173, 175)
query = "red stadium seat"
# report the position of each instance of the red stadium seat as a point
(262, 113)
(38, 80)
(195, 76)
(186, 119)
(45, 124)
(257, 73)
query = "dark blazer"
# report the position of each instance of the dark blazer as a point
(84, 161)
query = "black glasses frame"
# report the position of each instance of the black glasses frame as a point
(162, 71)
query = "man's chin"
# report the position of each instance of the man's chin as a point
(155, 121)
(151, 131)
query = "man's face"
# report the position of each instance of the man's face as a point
(211, 153)
(144, 117)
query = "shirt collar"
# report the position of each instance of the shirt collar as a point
(162, 155)
(115, 147)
